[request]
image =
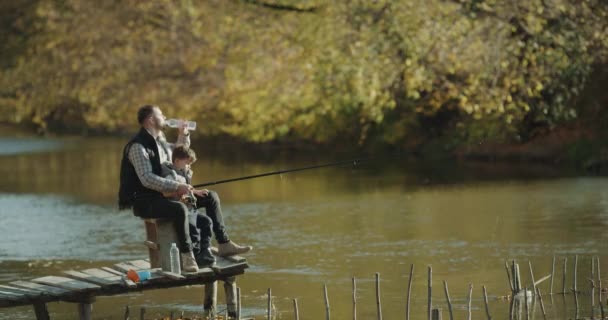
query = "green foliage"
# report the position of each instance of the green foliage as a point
(389, 71)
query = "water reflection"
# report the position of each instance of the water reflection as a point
(313, 227)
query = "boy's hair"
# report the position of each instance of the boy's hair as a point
(183, 152)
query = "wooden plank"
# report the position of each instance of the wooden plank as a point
(111, 278)
(116, 272)
(44, 289)
(125, 266)
(5, 295)
(224, 266)
(67, 283)
(170, 275)
(28, 292)
(141, 264)
(89, 278)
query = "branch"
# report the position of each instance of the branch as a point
(283, 7)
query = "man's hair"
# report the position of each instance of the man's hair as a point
(144, 112)
(183, 152)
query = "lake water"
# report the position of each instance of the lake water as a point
(325, 226)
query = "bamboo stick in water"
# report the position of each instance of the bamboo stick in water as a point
(409, 292)
(295, 309)
(564, 276)
(485, 301)
(327, 316)
(354, 299)
(509, 277)
(430, 289)
(269, 310)
(469, 300)
(378, 303)
(532, 277)
(447, 298)
(542, 305)
(552, 275)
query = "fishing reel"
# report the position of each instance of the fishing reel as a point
(189, 199)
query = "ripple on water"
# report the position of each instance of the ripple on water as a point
(11, 146)
(49, 227)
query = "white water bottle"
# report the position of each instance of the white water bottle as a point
(174, 256)
(174, 123)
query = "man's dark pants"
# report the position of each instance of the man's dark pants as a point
(161, 208)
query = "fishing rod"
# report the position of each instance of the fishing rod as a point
(354, 162)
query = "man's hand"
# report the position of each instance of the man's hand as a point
(183, 189)
(183, 128)
(201, 193)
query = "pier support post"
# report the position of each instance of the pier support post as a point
(85, 308)
(42, 313)
(230, 291)
(210, 301)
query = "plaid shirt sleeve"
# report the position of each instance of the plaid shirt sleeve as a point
(141, 161)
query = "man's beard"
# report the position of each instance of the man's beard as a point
(157, 125)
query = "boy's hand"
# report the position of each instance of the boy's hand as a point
(201, 193)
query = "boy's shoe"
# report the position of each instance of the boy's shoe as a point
(205, 258)
(188, 262)
(230, 248)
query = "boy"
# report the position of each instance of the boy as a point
(180, 171)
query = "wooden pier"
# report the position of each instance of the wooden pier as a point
(83, 286)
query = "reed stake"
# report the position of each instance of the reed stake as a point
(513, 272)
(564, 276)
(575, 268)
(447, 298)
(532, 277)
(602, 309)
(552, 275)
(171, 315)
(354, 299)
(592, 297)
(238, 303)
(576, 303)
(127, 313)
(269, 310)
(326, 302)
(599, 282)
(142, 313)
(436, 314)
(409, 292)
(469, 300)
(378, 303)
(295, 309)
(526, 303)
(542, 305)
(485, 301)
(430, 290)
(518, 277)
(509, 277)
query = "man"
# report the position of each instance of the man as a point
(141, 184)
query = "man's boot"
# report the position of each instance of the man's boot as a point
(205, 258)
(188, 262)
(230, 248)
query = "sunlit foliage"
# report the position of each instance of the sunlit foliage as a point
(388, 71)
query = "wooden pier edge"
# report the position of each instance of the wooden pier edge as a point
(82, 287)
